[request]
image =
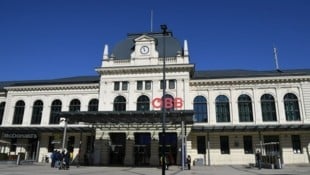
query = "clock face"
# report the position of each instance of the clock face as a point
(144, 50)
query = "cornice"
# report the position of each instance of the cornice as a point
(240, 81)
(53, 87)
(144, 69)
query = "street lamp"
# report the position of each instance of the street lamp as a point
(64, 139)
(163, 150)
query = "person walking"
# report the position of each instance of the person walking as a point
(258, 158)
(188, 161)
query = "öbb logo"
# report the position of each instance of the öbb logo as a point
(169, 103)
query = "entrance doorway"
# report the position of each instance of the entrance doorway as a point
(117, 148)
(142, 148)
(171, 148)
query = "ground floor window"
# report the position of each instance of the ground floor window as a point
(224, 142)
(201, 144)
(296, 144)
(248, 144)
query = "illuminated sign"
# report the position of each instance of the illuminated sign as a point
(19, 136)
(169, 103)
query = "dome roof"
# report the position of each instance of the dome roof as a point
(123, 49)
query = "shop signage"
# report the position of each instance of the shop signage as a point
(19, 136)
(169, 103)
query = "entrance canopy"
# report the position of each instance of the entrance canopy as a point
(238, 128)
(172, 117)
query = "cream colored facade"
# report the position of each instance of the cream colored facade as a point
(97, 143)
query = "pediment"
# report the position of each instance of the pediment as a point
(144, 38)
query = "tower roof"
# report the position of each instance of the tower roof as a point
(124, 48)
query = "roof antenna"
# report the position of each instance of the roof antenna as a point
(275, 52)
(152, 20)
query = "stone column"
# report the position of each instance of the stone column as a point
(101, 153)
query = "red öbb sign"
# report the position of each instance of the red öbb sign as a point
(169, 103)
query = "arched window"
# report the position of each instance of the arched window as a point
(93, 105)
(19, 112)
(143, 103)
(75, 105)
(119, 103)
(291, 107)
(268, 108)
(37, 112)
(222, 109)
(2, 106)
(55, 109)
(200, 109)
(169, 102)
(245, 108)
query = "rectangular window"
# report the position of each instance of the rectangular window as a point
(201, 144)
(248, 144)
(224, 142)
(139, 85)
(148, 85)
(172, 84)
(116, 85)
(161, 84)
(296, 144)
(124, 85)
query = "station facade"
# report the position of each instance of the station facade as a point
(219, 117)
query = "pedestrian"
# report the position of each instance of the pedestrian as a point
(53, 157)
(188, 161)
(258, 158)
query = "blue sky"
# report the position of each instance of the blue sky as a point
(47, 39)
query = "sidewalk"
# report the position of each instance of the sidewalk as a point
(45, 169)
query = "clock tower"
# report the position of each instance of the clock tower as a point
(144, 48)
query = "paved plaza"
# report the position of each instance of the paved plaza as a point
(44, 169)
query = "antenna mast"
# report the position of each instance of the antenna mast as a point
(151, 20)
(276, 57)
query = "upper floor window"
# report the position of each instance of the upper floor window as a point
(291, 107)
(123, 85)
(139, 85)
(93, 105)
(268, 108)
(55, 109)
(116, 85)
(147, 85)
(171, 84)
(119, 103)
(200, 109)
(2, 106)
(37, 112)
(245, 108)
(222, 109)
(143, 103)
(19, 112)
(75, 105)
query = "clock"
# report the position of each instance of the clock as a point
(144, 50)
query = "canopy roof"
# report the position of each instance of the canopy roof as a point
(172, 117)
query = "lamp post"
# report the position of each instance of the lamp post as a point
(163, 150)
(64, 139)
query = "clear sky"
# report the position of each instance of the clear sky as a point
(47, 39)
